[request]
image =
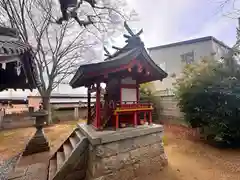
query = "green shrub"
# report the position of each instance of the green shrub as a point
(147, 96)
(209, 96)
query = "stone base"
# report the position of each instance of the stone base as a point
(36, 145)
(125, 154)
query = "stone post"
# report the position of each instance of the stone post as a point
(1, 118)
(39, 142)
(76, 113)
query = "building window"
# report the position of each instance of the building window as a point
(188, 58)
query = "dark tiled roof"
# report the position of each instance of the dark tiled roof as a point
(8, 32)
(134, 49)
(11, 44)
(191, 41)
(81, 77)
(13, 47)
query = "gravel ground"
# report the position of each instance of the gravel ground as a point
(8, 165)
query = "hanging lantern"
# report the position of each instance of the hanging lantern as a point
(4, 66)
(18, 68)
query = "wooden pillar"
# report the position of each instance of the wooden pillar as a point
(89, 106)
(137, 89)
(117, 121)
(135, 119)
(150, 117)
(145, 117)
(120, 92)
(98, 106)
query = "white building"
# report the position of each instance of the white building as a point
(173, 57)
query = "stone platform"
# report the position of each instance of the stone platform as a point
(125, 154)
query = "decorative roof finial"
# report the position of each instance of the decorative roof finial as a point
(131, 32)
(107, 52)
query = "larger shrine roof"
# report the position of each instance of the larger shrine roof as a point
(132, 50)
(16, 55)
(13, 48)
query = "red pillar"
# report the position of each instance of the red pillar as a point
(145, 117)
(150, 117)
(135, 119)
(117, 121)
(98, 106)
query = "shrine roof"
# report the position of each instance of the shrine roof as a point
(17, 65)
(133, 50)
(122, 58)
(125, 56)
(13, 48)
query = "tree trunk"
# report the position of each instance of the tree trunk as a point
(47, 107)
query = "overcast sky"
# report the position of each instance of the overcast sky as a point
(166, 21)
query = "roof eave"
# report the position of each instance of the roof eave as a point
(161, 71)
(75, 78)
(191, 41)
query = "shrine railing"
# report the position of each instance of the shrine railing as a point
(133, 104)
(126, 105)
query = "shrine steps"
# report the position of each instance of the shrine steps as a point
(69, 161)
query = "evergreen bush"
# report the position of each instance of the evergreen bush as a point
(209, 95)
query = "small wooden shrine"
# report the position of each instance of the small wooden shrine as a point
(17, 65)
(122, 72)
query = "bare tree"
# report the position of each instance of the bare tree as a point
(227, 8)
(59, 44)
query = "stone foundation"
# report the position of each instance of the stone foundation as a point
(125, 154)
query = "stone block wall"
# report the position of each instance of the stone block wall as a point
(169, 109)
(78, 171)
(126, 159)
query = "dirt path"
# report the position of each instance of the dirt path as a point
(13, 141)
(190, 160)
